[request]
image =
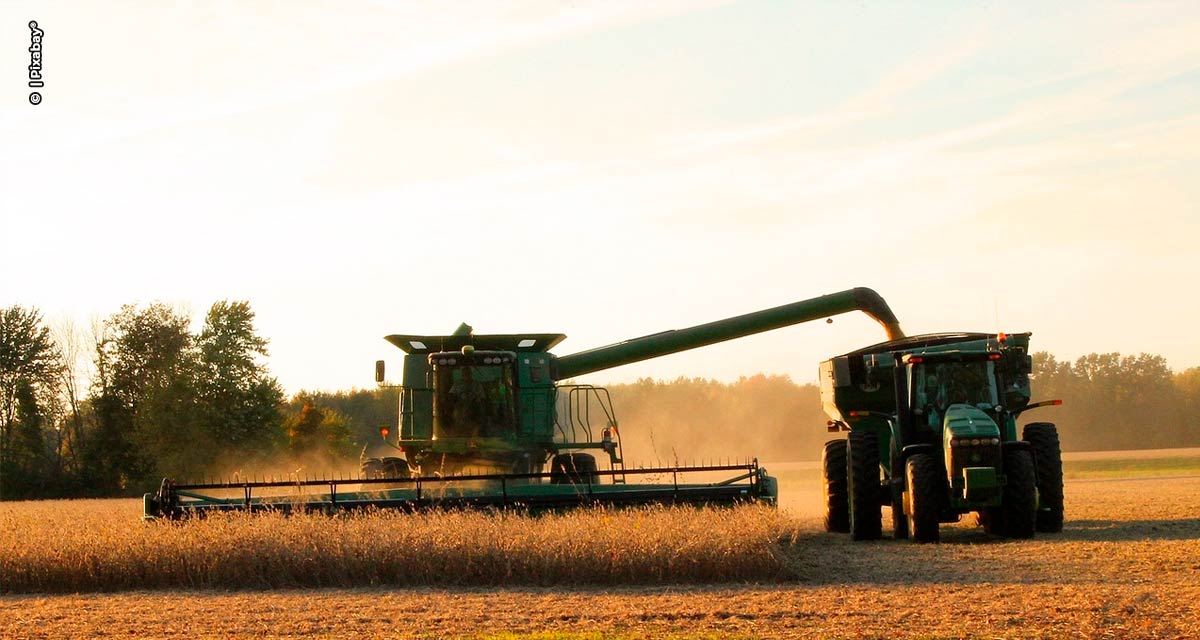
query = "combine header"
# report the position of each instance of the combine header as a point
(485, 422)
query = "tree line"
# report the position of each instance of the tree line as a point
(114, 408)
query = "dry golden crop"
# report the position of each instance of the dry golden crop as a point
(101, 546)
(1125, 566)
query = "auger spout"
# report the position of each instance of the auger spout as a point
(673, 341)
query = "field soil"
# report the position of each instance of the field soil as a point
(1127, 565)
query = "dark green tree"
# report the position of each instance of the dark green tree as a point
(29, 366)
(240, 400)
(146, 423)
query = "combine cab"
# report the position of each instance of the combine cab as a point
(932, 424)
(485, 421)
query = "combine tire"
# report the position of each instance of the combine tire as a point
(372, 469)
(923, 476)
(1043, 436)
(1019, 499)
(573, 468)
(394, 468)
(866, 517)
(837, 502)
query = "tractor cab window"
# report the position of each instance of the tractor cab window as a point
(475, 401)
(941, 384)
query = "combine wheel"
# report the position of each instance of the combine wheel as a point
(372, 469)
(394, 468)
(837, 503)
(1043, 436)
(923, 476)
(866, 517)
(1019, 498)
(573, 468)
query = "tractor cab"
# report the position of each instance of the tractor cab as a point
(940, 385)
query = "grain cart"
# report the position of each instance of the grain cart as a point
(490, 421)
(932, 422)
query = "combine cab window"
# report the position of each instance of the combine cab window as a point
(475, 401)
(939, 385)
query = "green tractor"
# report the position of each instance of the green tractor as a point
(932, 422)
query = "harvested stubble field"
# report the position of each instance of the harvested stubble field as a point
(1127, 565)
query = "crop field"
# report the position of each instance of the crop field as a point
(1126, 565)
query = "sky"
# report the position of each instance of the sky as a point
(608, 170)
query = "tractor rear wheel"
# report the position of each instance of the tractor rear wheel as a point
(922, 474)
(866, 516)
(1018, 504)
(837, 502)
(1047, 455)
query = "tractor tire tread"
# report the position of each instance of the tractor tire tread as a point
(1018, 501)
(1043, 437)
(836, 487)
(923, 475)
(866, 512)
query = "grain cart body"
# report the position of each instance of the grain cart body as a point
(932, 433)
(488, 421)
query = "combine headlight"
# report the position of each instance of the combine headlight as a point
(995, 441)
(976, 442)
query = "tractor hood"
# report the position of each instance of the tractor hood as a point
(966, 421)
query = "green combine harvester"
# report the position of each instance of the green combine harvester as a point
(932, 422)
(487, 421)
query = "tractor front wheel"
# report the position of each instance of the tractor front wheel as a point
(837, 502)
(1043, 437)
(866, 515)
(923, 477)
(1019, 499)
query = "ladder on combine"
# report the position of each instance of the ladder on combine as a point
(583, 402)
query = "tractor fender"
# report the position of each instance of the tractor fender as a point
(914, 449)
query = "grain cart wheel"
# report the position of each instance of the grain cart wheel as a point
(866, 517)
(1018, 504)
(1047, 456)
(573, 468)
(923, 476)
(837, 503)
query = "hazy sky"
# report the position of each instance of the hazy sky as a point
(608, 170)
